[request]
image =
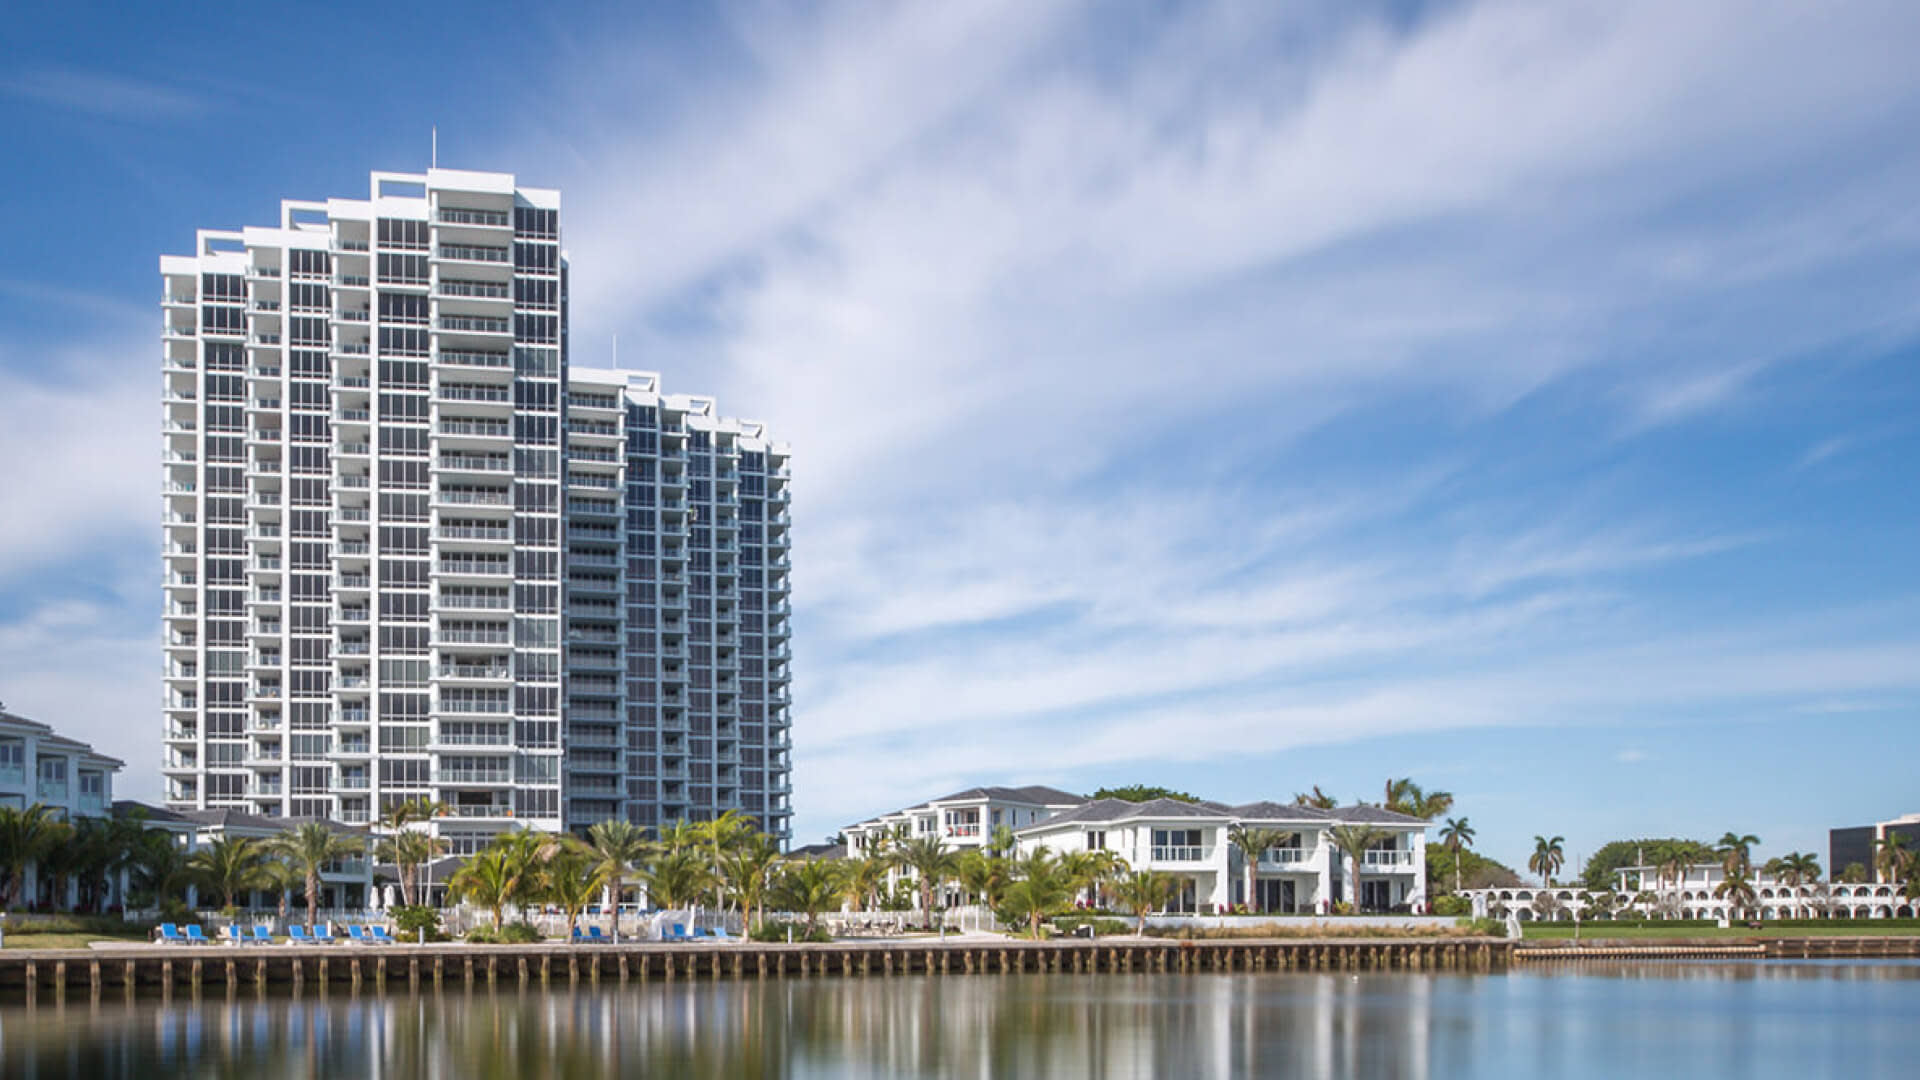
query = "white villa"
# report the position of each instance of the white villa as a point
(69, 777)
(345, 886)
(1692, 896)
(1190, 841)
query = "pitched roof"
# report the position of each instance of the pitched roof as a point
(819, 851)
(1102, 810)
(228, 818)
(1369, 814)
(157, 815)
(1266, 810)
(1037, 794)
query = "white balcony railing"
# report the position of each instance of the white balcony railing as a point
(1181, 853)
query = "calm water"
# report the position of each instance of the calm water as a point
(1853, 1019)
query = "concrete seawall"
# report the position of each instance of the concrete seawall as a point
(167, 967)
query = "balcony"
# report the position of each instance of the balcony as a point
(476, 463)
(475, 324)
(475, 671)
(1285, 858)
(472, 253)
(458, 216)
(1386, 860)
(487, 777)
(1181, 853)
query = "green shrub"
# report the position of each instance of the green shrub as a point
(410, 920)
(1102, 925)
(775, 931)
(1452, 905)
(511, 934)
(1485, 927)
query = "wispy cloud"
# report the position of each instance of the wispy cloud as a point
(110, 96)
(1058, 332)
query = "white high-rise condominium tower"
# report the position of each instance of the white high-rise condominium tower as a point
(408, 556)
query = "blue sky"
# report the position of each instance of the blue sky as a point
(1240, 397)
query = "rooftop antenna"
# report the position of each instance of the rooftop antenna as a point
(436, 146)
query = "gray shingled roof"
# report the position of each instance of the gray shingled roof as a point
(1102, 810)
(237, 819)
(156, 814)
(1368, 814)
(1035, 794)
(1266, 810)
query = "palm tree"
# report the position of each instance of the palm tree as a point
(60, 862)
(400, 815)
(1804, 866)
(1456, 835)
(570, 879)
(1736, 890)
(1253, 842)
(982, 875)
(809, 886)
(26, 835)
(1352, 841)
(746, 868)
(720, 835)
(1892, 859)
(680, 835)
(160, 867)
(865, 880)
(409, 850)
(1093, 870)
(488, 879)
(282, 877)
(228, 866)
(1406, 797)
(1318, 799)
(1001, 841)
(619, 845)
(675, 879)
(1142, 893)
(1547, 858)
(1041, 887)
(932, 865)
(1736, 851)
(311, 848)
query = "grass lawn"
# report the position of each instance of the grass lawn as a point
(1598, 931)
(18, 940)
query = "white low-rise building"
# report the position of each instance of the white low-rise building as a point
(1191, 841)
(1649, 892)
(39, 766)
(1304, 874)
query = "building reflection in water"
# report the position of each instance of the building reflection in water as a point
(1125, 1027)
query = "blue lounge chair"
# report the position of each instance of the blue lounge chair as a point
(358, 934)
(231, 934)
(297, 935)
(197, 936)
(577, 937)
(170, 934)
(262, 936)
(323, 933)
(379, 936)
(680, 933)
(720, 934)
(595, 937)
